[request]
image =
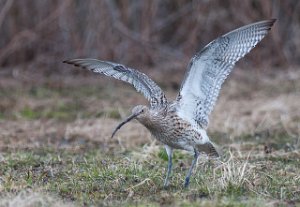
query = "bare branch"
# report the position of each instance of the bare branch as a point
(5, 10)
(136, 36)
(27, 36)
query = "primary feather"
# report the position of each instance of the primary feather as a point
(209, 68)
(141, 82)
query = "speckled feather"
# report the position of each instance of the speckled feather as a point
(170, 129)
(177, 123)
(141, 82)
(209, 68)
(182, 124)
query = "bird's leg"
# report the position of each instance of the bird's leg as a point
(169, 151)
(187, 178)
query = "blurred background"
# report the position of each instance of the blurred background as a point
(161, 35)
(56, 120)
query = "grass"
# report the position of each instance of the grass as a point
(93, 178)
(56, 148)
(42, 102)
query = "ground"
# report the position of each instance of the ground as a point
(56, 148)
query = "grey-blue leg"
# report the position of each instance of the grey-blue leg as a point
(169, 151)
(188, 175)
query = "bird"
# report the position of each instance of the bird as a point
(182, 123)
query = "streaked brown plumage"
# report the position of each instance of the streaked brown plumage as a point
(181, 124)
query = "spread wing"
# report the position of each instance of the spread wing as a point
(209, 68)
(141, 82)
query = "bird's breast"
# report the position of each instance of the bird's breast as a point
(174, 131)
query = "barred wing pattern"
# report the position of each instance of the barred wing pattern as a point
(209, 68)
(141, 82)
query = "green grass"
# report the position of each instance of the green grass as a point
(63, 104)
(61, 111)
(93, 178)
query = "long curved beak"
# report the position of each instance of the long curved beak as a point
(128, 119)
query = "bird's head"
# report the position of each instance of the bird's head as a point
(139, 112)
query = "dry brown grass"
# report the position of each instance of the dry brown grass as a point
(31, 198)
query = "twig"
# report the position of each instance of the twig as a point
(4, 10)
(173, 17)
(135, 36)
(141, 183)
(29, 35)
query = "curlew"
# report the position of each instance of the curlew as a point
(182, 123)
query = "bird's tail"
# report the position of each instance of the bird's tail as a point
(210, 149)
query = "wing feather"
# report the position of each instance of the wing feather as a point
(141, 82)
(209, 68)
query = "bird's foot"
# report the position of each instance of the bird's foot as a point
(166, 184)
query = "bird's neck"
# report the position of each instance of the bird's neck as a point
(153, 120)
